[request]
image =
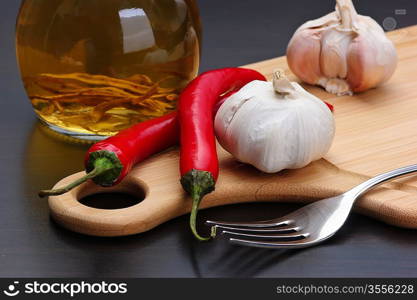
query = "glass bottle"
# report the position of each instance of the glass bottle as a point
(94, 67)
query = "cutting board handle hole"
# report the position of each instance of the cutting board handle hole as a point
(112, 200)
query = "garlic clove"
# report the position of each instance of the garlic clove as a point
(372, 58)
(334, 50)
(335, 45)
(303, 55)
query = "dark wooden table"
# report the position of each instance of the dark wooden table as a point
(236, 32)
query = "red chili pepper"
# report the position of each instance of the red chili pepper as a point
(198, 160)
(109, 161)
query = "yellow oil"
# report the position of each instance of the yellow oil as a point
(96, 67)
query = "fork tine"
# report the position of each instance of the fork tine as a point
(273, 245)
(283, 237)
(280, 229)
(258, 224)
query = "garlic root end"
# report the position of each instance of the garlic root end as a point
(336, 86)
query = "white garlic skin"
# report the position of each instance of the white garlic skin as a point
(274, 132)
(343, 51)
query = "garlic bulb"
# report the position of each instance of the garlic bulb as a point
(344, 52)
(275, 126)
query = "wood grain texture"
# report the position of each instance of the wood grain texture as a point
(376, 132)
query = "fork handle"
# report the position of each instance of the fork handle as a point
(379, 179)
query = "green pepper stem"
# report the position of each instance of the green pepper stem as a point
(193, 220)
(198, 183)
(101, 166)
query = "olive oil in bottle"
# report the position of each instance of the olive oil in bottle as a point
(94, 67)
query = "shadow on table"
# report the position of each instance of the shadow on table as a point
(219, 258)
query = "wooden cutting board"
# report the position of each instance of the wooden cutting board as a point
(376, 132)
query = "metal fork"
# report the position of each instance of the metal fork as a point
(307, 226)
